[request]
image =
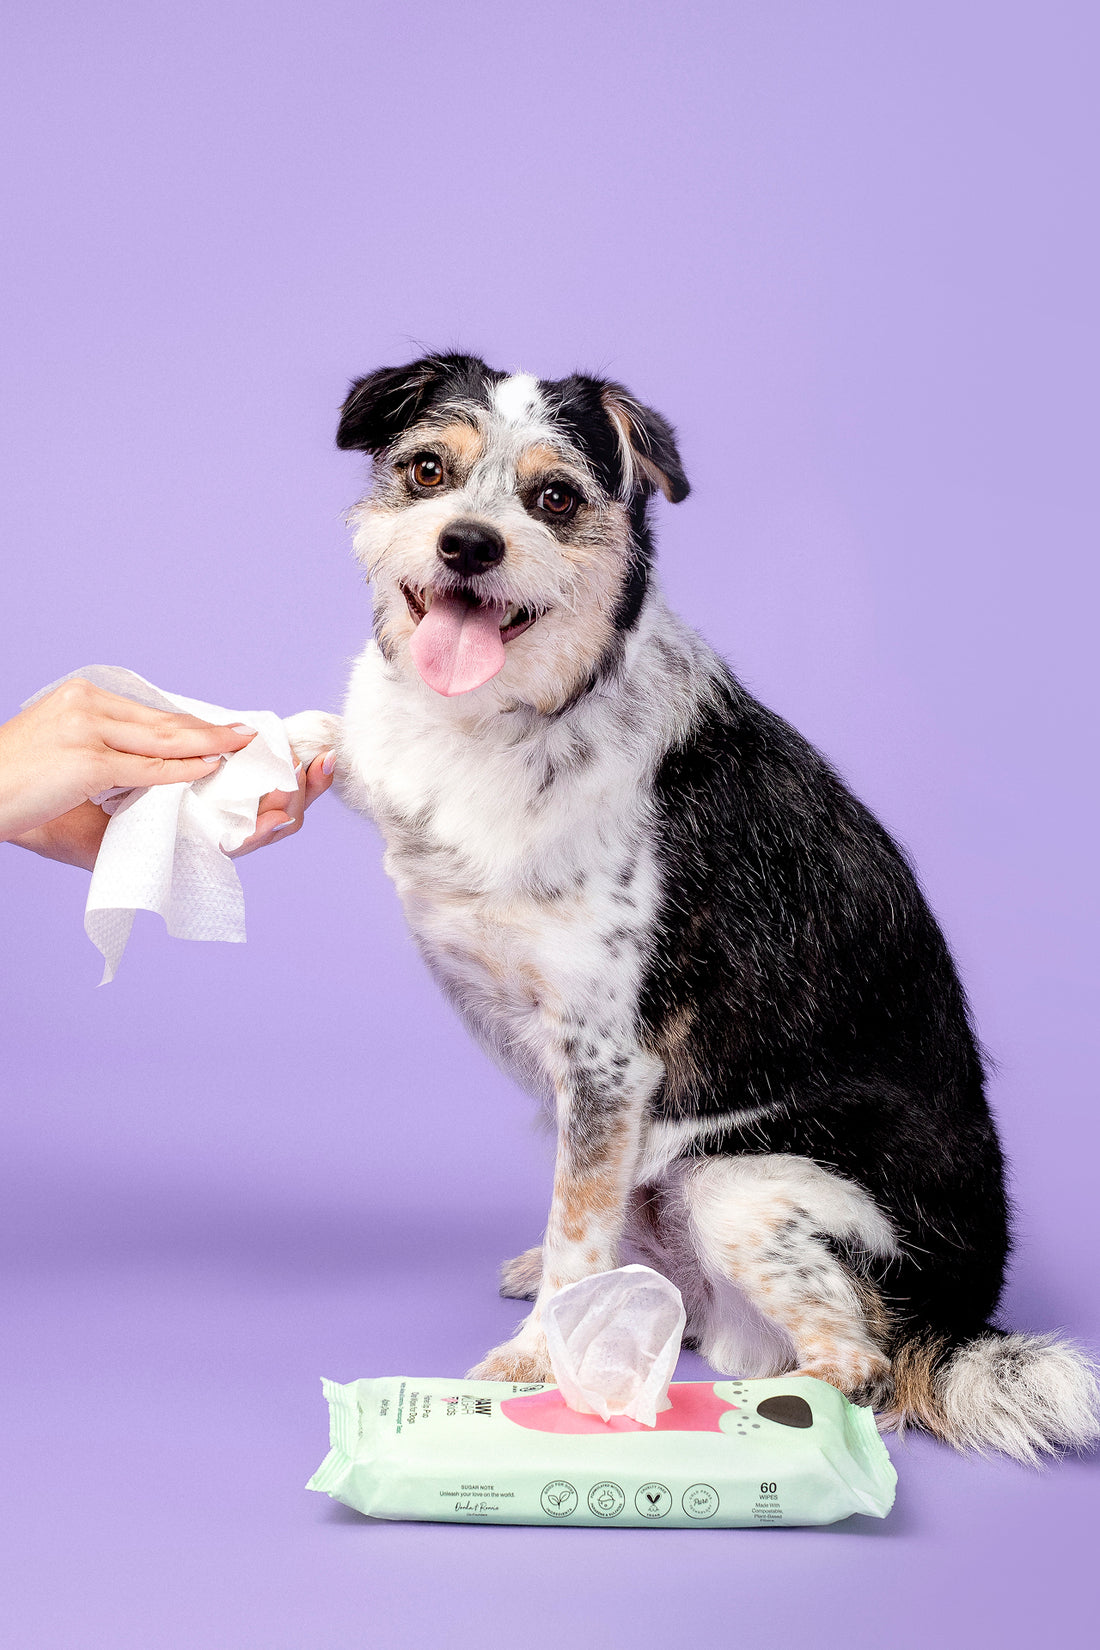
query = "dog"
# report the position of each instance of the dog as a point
(661, 910)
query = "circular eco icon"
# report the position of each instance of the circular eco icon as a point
(654, 1500)
(700, 1501)
(606, 1500)
(558, 1499)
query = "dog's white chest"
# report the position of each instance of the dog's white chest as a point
(526, 869)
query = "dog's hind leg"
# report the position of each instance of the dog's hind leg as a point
(765, 1231)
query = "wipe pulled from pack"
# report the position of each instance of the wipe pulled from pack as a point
(789, 1450)
(613, 1340)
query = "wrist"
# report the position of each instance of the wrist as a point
(72, 839)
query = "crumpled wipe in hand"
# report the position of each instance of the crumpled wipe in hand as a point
(165, 846)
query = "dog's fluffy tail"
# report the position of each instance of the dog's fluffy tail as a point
(1025, 1395)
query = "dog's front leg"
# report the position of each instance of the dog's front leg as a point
(599, 1130)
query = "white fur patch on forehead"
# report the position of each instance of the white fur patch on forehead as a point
(517, 400)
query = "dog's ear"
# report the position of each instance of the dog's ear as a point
(647, 446)
(384, 403)
(380, 406)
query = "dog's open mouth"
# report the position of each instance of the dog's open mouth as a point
(459, 641)
(513, 620)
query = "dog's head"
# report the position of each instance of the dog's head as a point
(505, 530)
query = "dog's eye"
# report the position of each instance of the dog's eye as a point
(427, 471)
(557, 501)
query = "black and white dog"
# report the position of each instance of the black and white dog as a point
(661, 910)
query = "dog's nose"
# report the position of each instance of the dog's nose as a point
(470, 547)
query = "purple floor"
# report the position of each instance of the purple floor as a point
(164, 1413)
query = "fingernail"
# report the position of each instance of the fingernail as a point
(275, 829)
(329, 763)
(212, 758)
(243, 727)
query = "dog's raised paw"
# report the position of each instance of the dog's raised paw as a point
(310, 732)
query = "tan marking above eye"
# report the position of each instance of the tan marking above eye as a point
(535, 461)
(457, 445)
(462, 443)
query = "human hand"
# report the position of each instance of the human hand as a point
(312, 735)
(80, 741)
(280, 813)
(75, 838)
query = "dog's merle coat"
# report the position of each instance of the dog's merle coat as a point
(661, 909)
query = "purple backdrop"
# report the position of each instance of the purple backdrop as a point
(851, 251)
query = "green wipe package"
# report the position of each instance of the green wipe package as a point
(791, 1450)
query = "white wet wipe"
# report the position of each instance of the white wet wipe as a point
(614, 1340)
(165, 846)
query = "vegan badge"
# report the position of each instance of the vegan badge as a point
(654, 1500)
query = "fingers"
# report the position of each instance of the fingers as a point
(280, 813)
(173, 736)
(98, 740)
(312, 783)
(269, 828)
(83, 714)
(319, 776)
(128, 771)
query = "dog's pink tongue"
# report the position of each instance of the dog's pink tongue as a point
(456, 647)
